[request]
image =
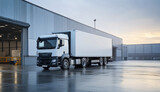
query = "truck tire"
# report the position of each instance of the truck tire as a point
(83, 62)
(100, 62)
(46, 68)
(105, 62)
(65, 64)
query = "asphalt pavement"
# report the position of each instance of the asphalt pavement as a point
(119, 76)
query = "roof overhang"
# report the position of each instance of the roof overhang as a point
(15, 22)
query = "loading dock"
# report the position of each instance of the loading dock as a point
(13, 41)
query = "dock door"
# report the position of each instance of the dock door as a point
(13, 40)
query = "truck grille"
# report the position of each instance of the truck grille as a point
(45, 62)
(45, 55)
(45, 58)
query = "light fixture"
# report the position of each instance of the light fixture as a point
(15, 38)
(94, 23)
(13, 28)
(2, 26)
(0, 36)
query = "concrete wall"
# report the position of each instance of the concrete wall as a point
(44, 22)
(142, 52)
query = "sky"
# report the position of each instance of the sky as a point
(135, 21)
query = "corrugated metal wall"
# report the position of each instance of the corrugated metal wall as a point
(44, 22)
(142, 52)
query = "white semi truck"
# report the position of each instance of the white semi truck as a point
(73, 48)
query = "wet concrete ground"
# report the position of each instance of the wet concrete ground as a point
(126, 76)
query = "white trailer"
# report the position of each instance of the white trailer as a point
(73, 47)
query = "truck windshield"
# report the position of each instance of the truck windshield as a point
(46, 43)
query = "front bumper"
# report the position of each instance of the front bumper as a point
(50, 62)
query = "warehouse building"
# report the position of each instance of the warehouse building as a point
(141, 52)
(22, 22)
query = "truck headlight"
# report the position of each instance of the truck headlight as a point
(54, 60)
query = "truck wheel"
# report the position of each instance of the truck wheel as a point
(100, 62)
(105, 62)
(46, 68)
(83, 62)
(65, 64)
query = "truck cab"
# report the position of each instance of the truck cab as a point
(50, 49)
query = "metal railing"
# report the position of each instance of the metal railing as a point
(17, 60)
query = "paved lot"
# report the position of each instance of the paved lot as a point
(126, 76)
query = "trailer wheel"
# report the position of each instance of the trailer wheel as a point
(100, 61)
(84, 62)
(65, 64)
(105, 62)
(46, 68)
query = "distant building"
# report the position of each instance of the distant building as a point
(141, 52)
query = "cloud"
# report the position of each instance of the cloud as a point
(142, 37)
(152, 35)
